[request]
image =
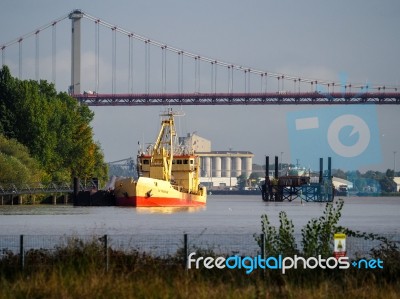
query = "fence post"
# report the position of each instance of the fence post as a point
(185, 250)
(106, 251)
(21, 252)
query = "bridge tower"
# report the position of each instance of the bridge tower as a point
(75, 87)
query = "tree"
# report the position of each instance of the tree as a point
(254, 179)
(16, 165)
(390, 173)
(241, 181)
(53, 126)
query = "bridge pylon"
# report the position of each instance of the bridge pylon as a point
(76, 16)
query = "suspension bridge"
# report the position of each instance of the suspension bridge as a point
(145, 72)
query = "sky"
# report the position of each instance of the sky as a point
(356, 41)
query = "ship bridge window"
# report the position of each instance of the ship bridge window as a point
(145, 161)
(178, 161)
(191, 161)
(186, 161)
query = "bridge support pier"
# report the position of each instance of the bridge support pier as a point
(65, 198)
(20, 199)
(54, 199)
(76, 17)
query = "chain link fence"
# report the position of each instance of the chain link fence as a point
(36, 250)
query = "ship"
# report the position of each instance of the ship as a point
(168, 174)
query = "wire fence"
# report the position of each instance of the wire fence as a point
(32, 250)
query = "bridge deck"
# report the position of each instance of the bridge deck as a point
(305, 98)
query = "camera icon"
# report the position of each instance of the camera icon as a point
(348, 134)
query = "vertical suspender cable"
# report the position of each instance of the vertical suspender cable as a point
(179, 72)
(37, 55)
(215, 76)
(182, 72)
(197, 73)
(247, 79)
(230, 79)
(279, 85)
(164, 68)
(130, 76)
(97, 54)
(53, 53)
(147, 66)
(212, 76)
(114, 58)
(262, 82)
(214, 65)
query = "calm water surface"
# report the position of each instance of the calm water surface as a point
(223, 214)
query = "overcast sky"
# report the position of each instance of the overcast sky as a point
(314, 39)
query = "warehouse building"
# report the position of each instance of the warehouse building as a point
(219, 169)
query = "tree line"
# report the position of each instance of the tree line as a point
(370, 181)
(45, 135)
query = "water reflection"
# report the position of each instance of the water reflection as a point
(169, 210)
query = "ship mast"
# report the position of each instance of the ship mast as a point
(163, 151)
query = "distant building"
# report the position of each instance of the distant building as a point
(218, 168)
(196, 143)
(397, 181)
(337, 182)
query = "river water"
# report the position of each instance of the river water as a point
(223, 215)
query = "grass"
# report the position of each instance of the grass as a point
(78, 271)
(166, 284)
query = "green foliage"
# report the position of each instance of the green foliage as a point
(16, 165)
(279, 241)
(53, 126)
(318, 233)
(254, 179)
(241, 181)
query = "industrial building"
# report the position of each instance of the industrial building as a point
(219, 169)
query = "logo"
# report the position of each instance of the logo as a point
(347, 133)
(358, 126)
(249, 264)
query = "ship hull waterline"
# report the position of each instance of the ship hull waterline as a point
(148, 192)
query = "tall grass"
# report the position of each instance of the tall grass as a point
(78, 271)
